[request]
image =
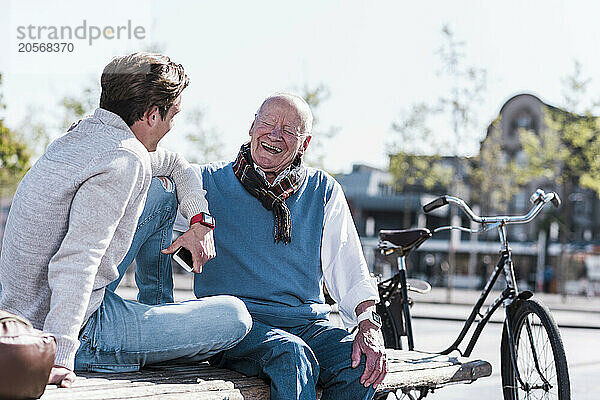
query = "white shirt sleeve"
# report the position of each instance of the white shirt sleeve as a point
(345, 270)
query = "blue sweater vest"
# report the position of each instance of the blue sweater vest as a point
(280, 284)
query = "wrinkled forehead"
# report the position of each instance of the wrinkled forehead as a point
(283, 106)
(286, 107)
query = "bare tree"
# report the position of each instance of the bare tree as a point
(459, 108)
(205, 142)
(321, 137)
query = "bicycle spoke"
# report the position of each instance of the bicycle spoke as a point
(532, 345)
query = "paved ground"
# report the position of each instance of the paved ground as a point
(581, 345)
(573, 312)
(553, 301)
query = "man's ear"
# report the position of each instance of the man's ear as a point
(305, 144)
(152, 116)
(251, 126)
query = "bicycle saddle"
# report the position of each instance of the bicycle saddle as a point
(405, 240)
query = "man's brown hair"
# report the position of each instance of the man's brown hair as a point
(134, 83)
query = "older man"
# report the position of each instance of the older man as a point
(283, 229)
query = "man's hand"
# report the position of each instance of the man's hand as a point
(199, 241)
(61, 376)
(369, 341)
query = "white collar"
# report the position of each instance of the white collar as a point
(281, 175)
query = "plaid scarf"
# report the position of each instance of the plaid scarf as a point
(271, 197)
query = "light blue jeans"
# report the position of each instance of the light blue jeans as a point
(124, 335)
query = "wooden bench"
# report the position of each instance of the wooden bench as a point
(407, 369)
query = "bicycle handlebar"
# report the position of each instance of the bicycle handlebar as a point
(437, 203)
(539, 198)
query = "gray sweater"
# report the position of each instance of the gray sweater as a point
(72, 221)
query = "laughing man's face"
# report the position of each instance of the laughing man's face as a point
(277, 135)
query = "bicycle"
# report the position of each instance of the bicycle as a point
(533, 361)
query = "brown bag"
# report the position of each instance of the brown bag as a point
(26, 358)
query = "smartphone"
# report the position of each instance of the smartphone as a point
(184, 258)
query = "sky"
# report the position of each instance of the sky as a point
(376, 58)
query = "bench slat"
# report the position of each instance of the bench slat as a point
(407, 369)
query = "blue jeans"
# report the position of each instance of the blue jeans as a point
(153, 269)
(295, 359)
(124, 335)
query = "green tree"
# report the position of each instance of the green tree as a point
(493, 174)
(565, 152)
(415, 159)
(574, 91)
(78, 106)
(14, 155)
(415, 152)
(321, 137)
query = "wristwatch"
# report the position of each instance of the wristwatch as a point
(204, 219)
(371, 315)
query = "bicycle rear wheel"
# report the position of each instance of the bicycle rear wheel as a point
(541, 359)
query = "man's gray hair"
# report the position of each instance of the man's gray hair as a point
(302, 106)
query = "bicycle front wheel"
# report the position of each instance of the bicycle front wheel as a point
(540, 355)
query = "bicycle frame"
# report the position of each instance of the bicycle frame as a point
(508, 295)
(505, 265)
